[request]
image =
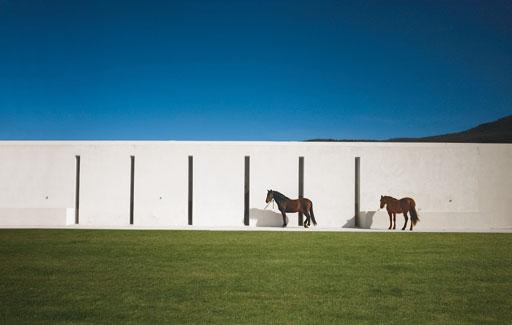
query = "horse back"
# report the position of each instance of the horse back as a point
(298, 205)
(407, 203)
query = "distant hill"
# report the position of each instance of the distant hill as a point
(499, 131)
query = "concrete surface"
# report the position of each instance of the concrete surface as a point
(457, 187)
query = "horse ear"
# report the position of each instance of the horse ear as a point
(381, 197)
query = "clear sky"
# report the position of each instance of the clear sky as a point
(251, 70)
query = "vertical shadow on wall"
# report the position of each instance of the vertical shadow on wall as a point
(266, 218)
(366, 219)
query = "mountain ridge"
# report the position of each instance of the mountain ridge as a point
(498, 131)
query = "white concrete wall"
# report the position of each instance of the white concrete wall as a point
(456, 186)
(36, 184)
(160, 185)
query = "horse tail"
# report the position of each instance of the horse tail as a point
(414, 214)
(312, 214)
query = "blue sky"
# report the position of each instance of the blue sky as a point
(251, 70)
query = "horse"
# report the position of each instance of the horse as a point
(395, 206)
(285, 204)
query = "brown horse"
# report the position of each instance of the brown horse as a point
(395, 206)
(285, 204)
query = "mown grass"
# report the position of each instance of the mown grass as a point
(52, 276)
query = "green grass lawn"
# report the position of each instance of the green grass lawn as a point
(254, 277)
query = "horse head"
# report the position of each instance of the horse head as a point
(270, 196)
(382, 201)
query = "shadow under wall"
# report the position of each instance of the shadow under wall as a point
(266, 218)
(366, 219)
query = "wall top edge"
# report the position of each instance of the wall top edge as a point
(246, 143)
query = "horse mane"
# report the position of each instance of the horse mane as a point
(278, 195)
(389, 197)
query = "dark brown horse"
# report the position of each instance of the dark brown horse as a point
(395, 206)
(285, 204)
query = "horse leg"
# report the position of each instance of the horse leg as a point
(284, 218)
(307, 222)
(406, 219)
(394, 221)
(390, 220)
